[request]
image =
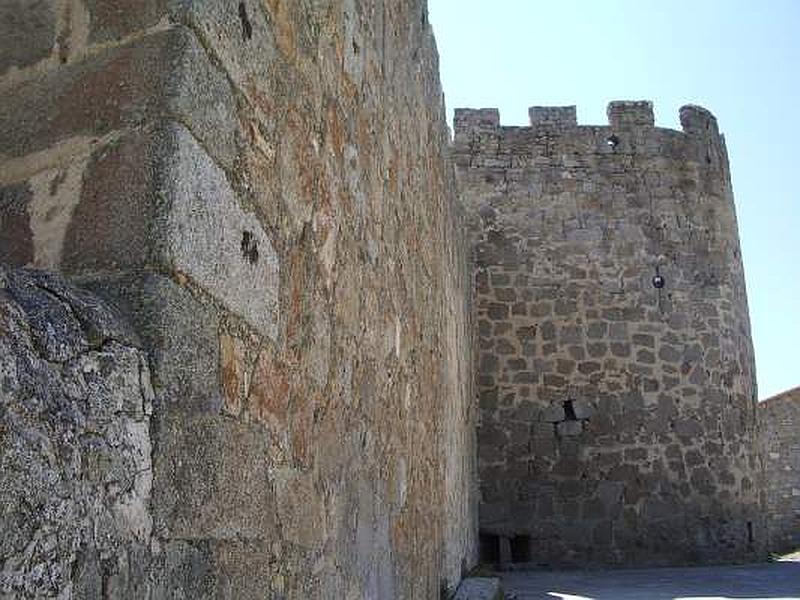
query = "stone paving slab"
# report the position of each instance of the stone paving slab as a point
(479, 588)
(772, 581)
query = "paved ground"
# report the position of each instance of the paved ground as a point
(773, 581)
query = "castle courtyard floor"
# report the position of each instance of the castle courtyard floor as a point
(772, 581)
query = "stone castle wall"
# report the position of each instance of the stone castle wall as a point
(780, 424)
(615, 368)
(262, 189)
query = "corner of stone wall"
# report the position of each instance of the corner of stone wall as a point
(211, 168)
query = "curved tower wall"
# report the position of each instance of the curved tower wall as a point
(617, 417)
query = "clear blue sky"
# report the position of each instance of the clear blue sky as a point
(740, 59)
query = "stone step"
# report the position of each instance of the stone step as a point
(479, 588)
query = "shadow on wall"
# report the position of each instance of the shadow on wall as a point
(776, 581)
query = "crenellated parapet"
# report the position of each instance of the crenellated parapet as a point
(634, 118)
(554, 133)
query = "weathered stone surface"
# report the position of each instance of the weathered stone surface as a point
(220, 489)
(779, 418)
(209, 238)
(180, 333)
(313, 428)
(27, 32)
(114, 19)
(16, 236)
(644, 430)
(479, 588)
(75, 466)
(166, 74)
(112, 224)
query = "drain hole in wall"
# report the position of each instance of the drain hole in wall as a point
(247, 28)
(569, 411)
(521, 549)
(250, 247)
(489, 548)
(612, 141)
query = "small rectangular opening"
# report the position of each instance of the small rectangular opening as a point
(489, 545)
(569, 411)
(521, 549)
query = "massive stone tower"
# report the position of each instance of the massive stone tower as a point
(616, 377)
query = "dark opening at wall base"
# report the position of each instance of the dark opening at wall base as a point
(489, 546)
(503, 551)
(521, 549)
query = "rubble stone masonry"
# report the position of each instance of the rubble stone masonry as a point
(615, 365)
(780, 431)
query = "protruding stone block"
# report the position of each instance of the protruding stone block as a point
(466, 119)
(157, 199)
(627, 113)
(553, 116)
(166, 74)
(224, 249)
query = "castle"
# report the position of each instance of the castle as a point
(312, 347)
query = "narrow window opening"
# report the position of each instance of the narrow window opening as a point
(249, 247)
(750, 539)
(569, 411)
(612, 141)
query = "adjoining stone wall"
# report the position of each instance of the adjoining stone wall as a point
(262, 188)
(615, 370)
(780, 431)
